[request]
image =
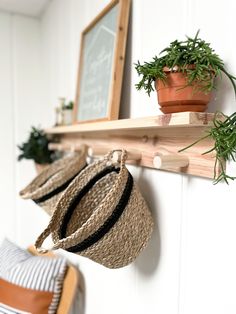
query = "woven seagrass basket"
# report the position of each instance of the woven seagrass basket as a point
(46, 189)
(101, 215)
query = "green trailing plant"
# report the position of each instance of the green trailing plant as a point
(198, 61)
(223, 132)
(36, 148)
(194, 56)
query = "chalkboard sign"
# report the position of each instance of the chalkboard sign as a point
(101, 64)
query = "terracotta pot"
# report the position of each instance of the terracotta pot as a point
(172, 97)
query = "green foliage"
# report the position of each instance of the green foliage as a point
(36, 148)
(193, 56)
(223, 132)
(68, 106)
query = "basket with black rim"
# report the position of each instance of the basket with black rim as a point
(47, 187)
(101, 215)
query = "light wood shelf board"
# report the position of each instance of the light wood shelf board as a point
(164, 134)
(183, 119)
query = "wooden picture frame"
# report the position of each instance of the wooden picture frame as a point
(101, 64)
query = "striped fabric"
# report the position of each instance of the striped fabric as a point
(4, 309)
(19, 267)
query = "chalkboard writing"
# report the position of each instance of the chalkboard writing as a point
(101, 66)
(97, 65)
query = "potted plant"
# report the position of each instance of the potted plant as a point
(183, 76)
(67, 113)
(36, 148)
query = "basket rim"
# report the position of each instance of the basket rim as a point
(55, 175)
(123, 174)
(107, 224)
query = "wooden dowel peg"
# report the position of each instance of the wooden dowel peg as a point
(99, 151)
(64, 147)
(170, 161)
(131, 155)
(55, 146)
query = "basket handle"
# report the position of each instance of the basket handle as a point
(66, 242)
(43, 236)
(122, 158)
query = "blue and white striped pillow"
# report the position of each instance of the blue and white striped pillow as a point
(40, 273)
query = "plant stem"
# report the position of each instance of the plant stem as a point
(194, 143)
(224, 135)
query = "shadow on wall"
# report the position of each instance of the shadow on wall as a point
(125, 102)
(148, 260)
(219, 98)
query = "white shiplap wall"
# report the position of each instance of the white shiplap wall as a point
(22, 105)
(7, 164)
(189, 266)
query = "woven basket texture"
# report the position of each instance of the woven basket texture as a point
(129, 235)
(49, 185)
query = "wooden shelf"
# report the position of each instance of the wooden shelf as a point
(175, 119)
(162, 135)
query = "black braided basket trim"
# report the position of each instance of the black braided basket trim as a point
(77, 198)
(58, 190)
(109, 223)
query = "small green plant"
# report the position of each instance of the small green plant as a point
(193, 56)
(223, 132)
(68, 106)
(36, 148)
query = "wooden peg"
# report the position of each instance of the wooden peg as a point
(65, 147)
(55, 146)
(97, 151)
(131, 155)
(170, 161)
